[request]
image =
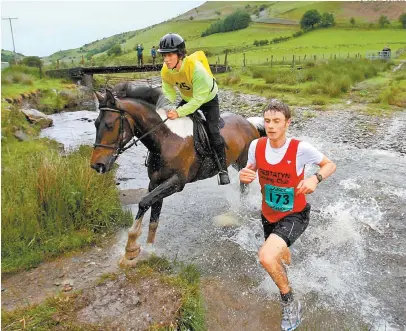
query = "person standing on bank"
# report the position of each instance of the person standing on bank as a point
(198, 88)
(153, 54)
(280, 162)
(139, 55)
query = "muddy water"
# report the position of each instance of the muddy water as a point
(349, 265)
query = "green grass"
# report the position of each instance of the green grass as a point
(52, 204)
(19, 80)
(319, 83)
(323, 42)
(60, 312)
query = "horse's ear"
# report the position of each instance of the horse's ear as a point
(99, 96)
(110, 97)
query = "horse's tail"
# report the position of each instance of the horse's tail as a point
(258, 122)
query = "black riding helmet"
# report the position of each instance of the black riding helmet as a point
(172, 43)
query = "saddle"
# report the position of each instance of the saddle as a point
(200, 137)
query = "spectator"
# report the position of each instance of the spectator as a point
(153, 54)
(139, 55)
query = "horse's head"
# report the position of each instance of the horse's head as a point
(114, 129)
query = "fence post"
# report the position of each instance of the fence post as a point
(271, 61)
(225, 59)
(293, 61)
(299, 59)
(315, 58)
(244, 60)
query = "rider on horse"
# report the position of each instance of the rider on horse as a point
(198, 90)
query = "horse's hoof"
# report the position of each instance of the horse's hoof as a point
(131, 263)
(126, 263)
(133, 254)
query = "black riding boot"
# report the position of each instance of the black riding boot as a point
(223, 174)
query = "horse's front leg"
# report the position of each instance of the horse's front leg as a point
(168, 187)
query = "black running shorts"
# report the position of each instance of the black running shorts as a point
(288, 228)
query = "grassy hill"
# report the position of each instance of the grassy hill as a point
(270, 20)
(363, 12)
(7, 56)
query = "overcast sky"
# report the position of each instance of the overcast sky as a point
(45, 27)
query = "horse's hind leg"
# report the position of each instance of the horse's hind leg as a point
(154, 220)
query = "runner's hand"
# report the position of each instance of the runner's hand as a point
(172, 114)
(248, 174)
(307, 186)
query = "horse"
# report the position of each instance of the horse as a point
(173, 161)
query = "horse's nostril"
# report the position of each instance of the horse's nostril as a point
(99, 167)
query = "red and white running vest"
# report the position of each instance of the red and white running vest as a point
(279, 182)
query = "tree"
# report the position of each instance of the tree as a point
(383, 20)
(115, 50)
(32, 61)
(327, 20)
(352, 21)
(310, 18)
(402, 20)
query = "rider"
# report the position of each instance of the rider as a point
(198, 90)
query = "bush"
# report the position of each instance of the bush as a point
(383, 20)
(115, 50)
(402, 20)
(279, 39)
(327, 20)
(318, 102)
(231, 79)
(236, 21)
(32, 61)
(298, 34)
(19, 75)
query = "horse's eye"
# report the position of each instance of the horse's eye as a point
(108, 127)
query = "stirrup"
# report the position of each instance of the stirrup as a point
(223, 178)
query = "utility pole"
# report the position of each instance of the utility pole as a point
(11, 27)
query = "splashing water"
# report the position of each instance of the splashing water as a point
(350, 259)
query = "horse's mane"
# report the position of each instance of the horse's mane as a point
(144, 93)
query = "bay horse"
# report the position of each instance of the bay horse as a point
(173, 161)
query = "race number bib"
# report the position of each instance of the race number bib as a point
(279, 198)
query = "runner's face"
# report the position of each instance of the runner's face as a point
(170, 59)
(275, 124)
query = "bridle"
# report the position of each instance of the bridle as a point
(119, 146)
